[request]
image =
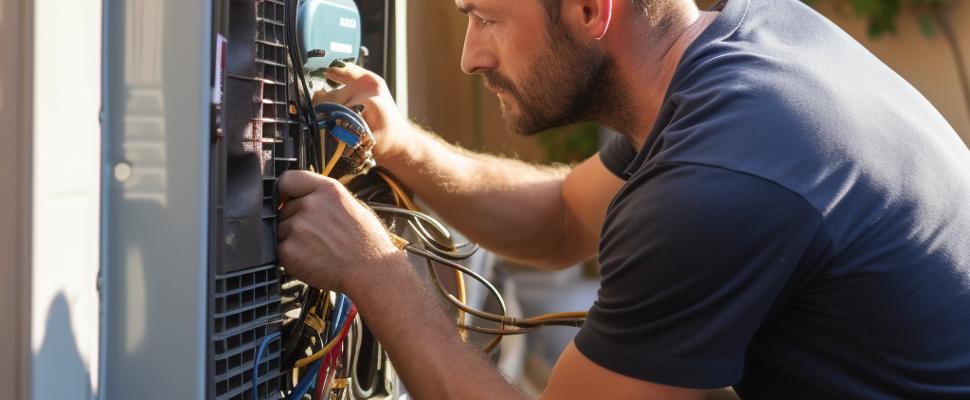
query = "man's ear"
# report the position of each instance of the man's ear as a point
(592, 16)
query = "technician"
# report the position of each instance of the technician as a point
(782, 213)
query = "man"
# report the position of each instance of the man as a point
(782, 213)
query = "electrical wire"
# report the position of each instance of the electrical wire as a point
(445, 250)
(310, 298)
(401, 197)
(313, 138)
(316, 154)
(438, 246)
(322, 135)
(449, 263)
(333, 342)
(306, 383)
(326, 376)
(322, 376)
(259, 358)
(317, 147)
(518, 325)
(574, 319)
(334, 158)
(338, 111)
(455, 252)
(343, 304)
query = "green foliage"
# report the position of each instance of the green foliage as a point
(881, 14)
(570, 144)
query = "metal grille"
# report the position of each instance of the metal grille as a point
(247, 309)
(248, 303)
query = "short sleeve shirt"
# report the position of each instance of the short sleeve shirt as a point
(797, 224)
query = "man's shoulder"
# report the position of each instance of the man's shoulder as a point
(682, 191)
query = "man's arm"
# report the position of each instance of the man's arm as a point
(544, 216)
(331, 241)
(435, 364)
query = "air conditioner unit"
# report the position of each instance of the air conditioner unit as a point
(201, 119)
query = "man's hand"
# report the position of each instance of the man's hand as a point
(362, 87)
(327, 238)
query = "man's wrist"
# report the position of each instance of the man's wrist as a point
(403, 153)
(362, 283)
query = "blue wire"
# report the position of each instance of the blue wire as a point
(342, 304)
(343, 317)
(307, 383)
(258, 359)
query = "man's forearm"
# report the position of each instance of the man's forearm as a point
(508, 206)
(421, 340)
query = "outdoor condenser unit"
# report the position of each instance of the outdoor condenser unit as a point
(256, 141)
(199, 125)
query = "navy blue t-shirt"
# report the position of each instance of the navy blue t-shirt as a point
(797, 224)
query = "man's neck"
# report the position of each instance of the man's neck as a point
(647, 64)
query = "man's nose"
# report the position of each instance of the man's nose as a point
(476, 57)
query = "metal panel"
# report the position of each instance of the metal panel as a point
(157, 127)
(16, 41)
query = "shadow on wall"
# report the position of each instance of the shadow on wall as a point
(64, 374)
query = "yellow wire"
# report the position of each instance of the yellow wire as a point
(333, 160)
(323, 144)
(319, 354)
(398, 192)
(459, 277)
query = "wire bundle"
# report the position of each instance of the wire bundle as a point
(319, 333)
(322, 365)
(312, 147)
(438, 246)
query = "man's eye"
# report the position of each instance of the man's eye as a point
(484, 22)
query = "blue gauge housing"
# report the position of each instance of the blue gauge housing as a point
(329, 25)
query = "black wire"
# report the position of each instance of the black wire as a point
(309, 297)
(447, 254)
(292, 343)
(429, 242)
(451, 264)
(310, 140)
(448, 250)
(295, 60)
(438, 226)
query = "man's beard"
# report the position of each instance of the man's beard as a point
(569, 84)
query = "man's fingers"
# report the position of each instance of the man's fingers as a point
(283, 230)
(290, 208)
(295, 184)
(339, 96)
(346, 74)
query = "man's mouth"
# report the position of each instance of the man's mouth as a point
(496, 84)
(493, 89)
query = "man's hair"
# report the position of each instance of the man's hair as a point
(657, 13)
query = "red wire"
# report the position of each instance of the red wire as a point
(318, 392)
(330, 361)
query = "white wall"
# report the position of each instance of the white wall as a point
(66, 188)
